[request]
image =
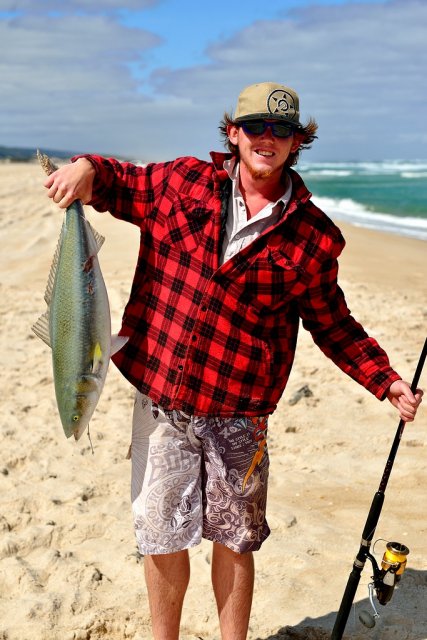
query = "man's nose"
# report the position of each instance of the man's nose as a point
(268, 133)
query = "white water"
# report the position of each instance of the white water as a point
(413, 169)
(355, 213)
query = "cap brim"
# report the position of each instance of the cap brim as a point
(268, 116)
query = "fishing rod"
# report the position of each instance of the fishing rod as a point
(393, 563)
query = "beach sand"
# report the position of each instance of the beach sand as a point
(69, 568)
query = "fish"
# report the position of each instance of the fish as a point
(77, 321)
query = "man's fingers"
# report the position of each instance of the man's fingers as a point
(411, 405)
(409, 397)
(407, 404)
(59, 195)
(402, 398)
(407, 418)
(408, 410)
(71, 182)
(49, 181)
(65, 201)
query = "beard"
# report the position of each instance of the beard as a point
(258, 174)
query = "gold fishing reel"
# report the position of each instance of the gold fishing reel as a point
(384, 578)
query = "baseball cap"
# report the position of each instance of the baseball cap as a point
(268, 100)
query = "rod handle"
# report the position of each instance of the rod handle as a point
(346, 604)
(419, 368)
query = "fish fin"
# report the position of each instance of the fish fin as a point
(99, 240)
(53, 269)
(41, 328)
(117, 343)
(46, 163)
(96, 357)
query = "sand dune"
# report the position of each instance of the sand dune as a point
(69, 568)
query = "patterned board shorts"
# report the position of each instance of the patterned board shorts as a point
(195, 477)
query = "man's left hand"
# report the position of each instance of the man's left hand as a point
(402, 398)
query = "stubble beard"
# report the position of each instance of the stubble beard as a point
(258, 174)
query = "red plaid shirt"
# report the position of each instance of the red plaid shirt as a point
(220, 340)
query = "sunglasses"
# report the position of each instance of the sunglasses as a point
(258, 127)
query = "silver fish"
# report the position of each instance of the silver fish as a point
(77, 324)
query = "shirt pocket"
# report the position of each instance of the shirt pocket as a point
(272, 280)
(189, 224)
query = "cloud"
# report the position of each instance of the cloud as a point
(60, 74)
(84, 82)
(359, 69)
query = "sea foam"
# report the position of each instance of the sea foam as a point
(348, 210)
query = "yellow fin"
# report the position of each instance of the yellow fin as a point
(96, 357)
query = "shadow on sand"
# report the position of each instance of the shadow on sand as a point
(403, 618)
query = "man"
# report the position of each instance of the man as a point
(233, 253)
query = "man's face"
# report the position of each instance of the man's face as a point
(263, 155)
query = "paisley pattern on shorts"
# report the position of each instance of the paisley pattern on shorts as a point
(194, 477)
(234, 514)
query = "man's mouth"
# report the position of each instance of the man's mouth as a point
(264, 153)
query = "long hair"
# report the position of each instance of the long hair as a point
(307, 133)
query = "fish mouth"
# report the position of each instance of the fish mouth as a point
(86, 393)
(79, 431)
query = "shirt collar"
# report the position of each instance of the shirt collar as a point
(300, 192)
(231, 166)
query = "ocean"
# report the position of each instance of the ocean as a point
(389, 196)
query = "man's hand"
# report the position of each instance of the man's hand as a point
(402, 398)
(71, 182)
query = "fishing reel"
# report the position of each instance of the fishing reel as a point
(385, 578)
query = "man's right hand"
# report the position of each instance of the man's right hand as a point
(71, 182)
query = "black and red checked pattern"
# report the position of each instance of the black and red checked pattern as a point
(220, 340)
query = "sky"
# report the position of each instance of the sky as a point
(149, 80)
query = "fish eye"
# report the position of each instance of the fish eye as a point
(75, 418)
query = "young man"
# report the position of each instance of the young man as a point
(233, 253)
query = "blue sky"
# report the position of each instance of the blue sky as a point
(207, 25)
(150, 79)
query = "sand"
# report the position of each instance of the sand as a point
(69, 568)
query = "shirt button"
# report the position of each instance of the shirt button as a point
(204, 308)
(194, 338)
(180, 367)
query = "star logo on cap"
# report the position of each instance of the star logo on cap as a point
(280, 102)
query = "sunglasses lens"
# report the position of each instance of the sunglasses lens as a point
(281, 130)
(257, 127)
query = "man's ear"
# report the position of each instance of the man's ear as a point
(232, 133)
(297, 141)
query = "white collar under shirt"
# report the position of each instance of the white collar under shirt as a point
(239, 231)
